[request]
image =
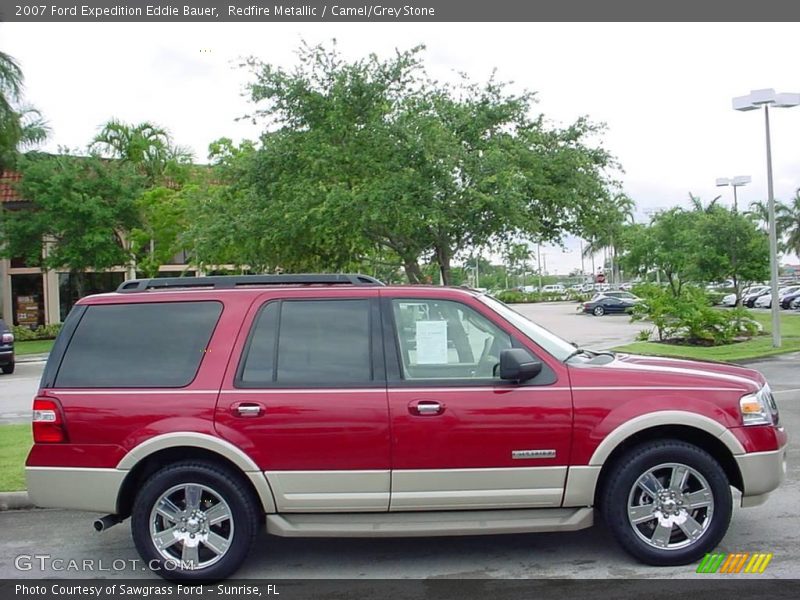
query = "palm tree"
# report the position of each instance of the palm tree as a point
(20, 127)
(788, 222)
(11, 80)
(697, 203)
(759, 212)
(605, 233)
(146, 145)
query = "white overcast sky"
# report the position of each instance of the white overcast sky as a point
(664, 90)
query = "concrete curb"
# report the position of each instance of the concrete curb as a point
(14, 501)
(26, 358)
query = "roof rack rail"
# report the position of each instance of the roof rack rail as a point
(233, 281)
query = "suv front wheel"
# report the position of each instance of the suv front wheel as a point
(667, 502)
(194, 521)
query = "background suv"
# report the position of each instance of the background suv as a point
(331, 405)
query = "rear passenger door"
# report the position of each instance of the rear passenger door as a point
(305, 397)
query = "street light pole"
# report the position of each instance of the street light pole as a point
(735, 182)
(753, 101)
(773, 241)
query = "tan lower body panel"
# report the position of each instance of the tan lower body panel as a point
(581, 484)
(472, 489)
(76, 488)
(761, 472)
(329, 491)
(423, 524)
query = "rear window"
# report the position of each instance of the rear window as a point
(309, 343)
(138, 345)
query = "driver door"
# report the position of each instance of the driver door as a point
(461, 437)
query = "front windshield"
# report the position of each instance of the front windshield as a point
(559, 348)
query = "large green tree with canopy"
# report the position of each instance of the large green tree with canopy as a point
(371, 156)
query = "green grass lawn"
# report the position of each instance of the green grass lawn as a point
(33, 347)
(758, 347)
(15, 442)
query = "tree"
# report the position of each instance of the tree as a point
(149, 149)
(21, 126)
(710, 244)
(605, 228)
(80, 207)
(147, 146)
(372, 154)
(729, 245)
(788, 220)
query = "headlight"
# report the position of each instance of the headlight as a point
(759, 408)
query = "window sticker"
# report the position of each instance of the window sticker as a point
(431, 342)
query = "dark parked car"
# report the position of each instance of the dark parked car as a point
(6, 348)
(755, 293)
(786, 300)
(601, 305)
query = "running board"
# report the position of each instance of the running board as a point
(423, 524)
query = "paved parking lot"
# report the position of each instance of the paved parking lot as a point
(773, 527)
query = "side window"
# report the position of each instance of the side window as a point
(309, 342)
(154, 344)
(441, 339)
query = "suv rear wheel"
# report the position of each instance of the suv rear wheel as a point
(194, 521)
(8, 369)
(667, 502)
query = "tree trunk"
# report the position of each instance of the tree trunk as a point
(443, 260)
(413, 272)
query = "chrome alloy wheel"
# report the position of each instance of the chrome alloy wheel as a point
(670, 506)
(191, 526)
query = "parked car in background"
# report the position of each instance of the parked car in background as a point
(787, 292)
(602, 287)
(621, 294)
(555, 288)
(626, 286)
(601, 305)
(788, 299)
(587, 287)
(754, 294)
(6, 349)
(765, 300)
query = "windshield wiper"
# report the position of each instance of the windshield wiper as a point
(578, 351)
(590, 353)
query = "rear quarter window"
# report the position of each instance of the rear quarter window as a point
(159, 344)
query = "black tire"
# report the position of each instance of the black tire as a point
(8, 369)
(598, 311)
(619, 488)
(246, 516)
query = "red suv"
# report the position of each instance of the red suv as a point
(331, 405)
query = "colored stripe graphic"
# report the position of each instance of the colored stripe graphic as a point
(735, 562)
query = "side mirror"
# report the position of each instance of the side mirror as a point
(517, 365)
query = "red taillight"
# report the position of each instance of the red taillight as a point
(8, 338)
(48, 426)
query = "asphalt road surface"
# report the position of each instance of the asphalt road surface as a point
(773, 527)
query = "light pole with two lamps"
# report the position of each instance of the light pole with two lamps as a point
(754, 101)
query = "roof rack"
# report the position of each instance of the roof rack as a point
(233, 281)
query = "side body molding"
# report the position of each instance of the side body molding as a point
(207, 442)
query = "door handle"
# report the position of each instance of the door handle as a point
(246, 409)
(425, 408)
